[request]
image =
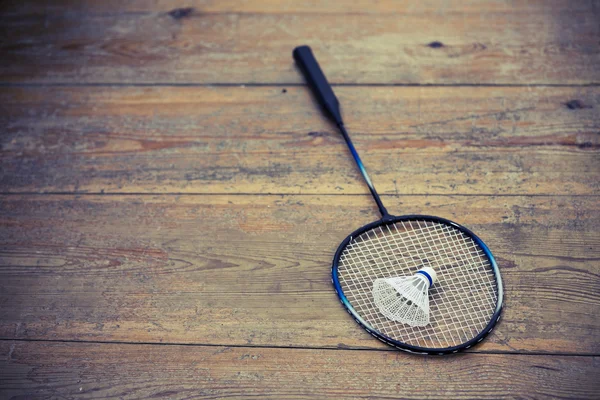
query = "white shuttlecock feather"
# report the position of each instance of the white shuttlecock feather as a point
(405, 299)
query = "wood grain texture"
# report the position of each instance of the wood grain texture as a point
(423, 140)
(79, 370)
(367, 7)
(167, 183)
(499, 45)
(255, 270)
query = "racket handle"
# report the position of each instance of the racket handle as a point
(317, 82)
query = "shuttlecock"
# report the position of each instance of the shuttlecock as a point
(405, 299)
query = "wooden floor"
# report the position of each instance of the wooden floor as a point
(171, 197)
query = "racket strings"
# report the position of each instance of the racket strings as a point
(461, 302)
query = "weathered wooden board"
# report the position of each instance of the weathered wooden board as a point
(404, 7)
(83, 370)
(414, 140)
(61, 44)
(255, 270)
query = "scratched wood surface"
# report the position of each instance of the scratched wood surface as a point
(416, 140)
(171, 197)
(437, 43)
(254, 270)
(81, 370)
(15, 7)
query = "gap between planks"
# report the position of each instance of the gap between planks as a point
(74, 193)
(292, 84)
(292, 347)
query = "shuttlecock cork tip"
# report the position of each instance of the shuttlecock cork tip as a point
(429, 273)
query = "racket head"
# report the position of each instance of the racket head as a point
(357, 298)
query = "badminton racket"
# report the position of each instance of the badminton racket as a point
(465, 302)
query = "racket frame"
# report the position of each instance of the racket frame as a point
(389, 220)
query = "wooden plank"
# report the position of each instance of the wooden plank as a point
(414, 140)
(404, 7)
(255, 270)
(82, 370)
(522, 46)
